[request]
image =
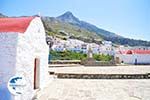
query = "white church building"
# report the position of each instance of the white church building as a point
(133, 56)
(23, 52)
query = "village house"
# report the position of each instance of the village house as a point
(23, 52)
(79, 46)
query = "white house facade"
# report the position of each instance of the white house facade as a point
(135, 56)
(23, 52)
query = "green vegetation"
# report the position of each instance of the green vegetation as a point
(127, 41)
(70, 55)
(54, 25)
(102, 57)
(67, 55)
(50, 33)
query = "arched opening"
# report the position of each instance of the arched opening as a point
(129, 52)
(36, 73)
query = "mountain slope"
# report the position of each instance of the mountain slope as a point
(70, 18)
(57, 26)
(69, 22)
(75, 28)
(1, 15)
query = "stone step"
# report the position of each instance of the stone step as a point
(100, 76)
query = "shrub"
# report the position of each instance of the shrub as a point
(71, 55)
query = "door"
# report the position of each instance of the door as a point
(135, 62)
(36, 73)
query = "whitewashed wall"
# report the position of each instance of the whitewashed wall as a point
(8, 44)
(130, 59)
(31, 45)
(17, 54)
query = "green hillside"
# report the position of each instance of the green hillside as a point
(54, 26)
(68, 24)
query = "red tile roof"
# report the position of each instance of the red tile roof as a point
(141, 51)
(135, 52)
(19, 24)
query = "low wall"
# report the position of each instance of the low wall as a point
(92, 62)
(65, 62)
(102, 76)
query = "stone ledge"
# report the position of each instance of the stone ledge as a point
(65, 62)
(92, 62)
(102, 76)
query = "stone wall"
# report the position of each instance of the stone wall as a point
(102, 76)
(65, 62)
(92, 62)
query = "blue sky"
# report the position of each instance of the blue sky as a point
(129, 18)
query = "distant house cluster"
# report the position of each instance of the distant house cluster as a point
(80, 46)
(122, 54)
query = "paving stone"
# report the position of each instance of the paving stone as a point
(99, 89)
(52, 99)
(70, 89)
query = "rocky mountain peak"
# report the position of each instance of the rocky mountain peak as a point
(68, 17)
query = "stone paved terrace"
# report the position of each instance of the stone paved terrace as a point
(81, 89)
(102, 70)
(98, 89)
